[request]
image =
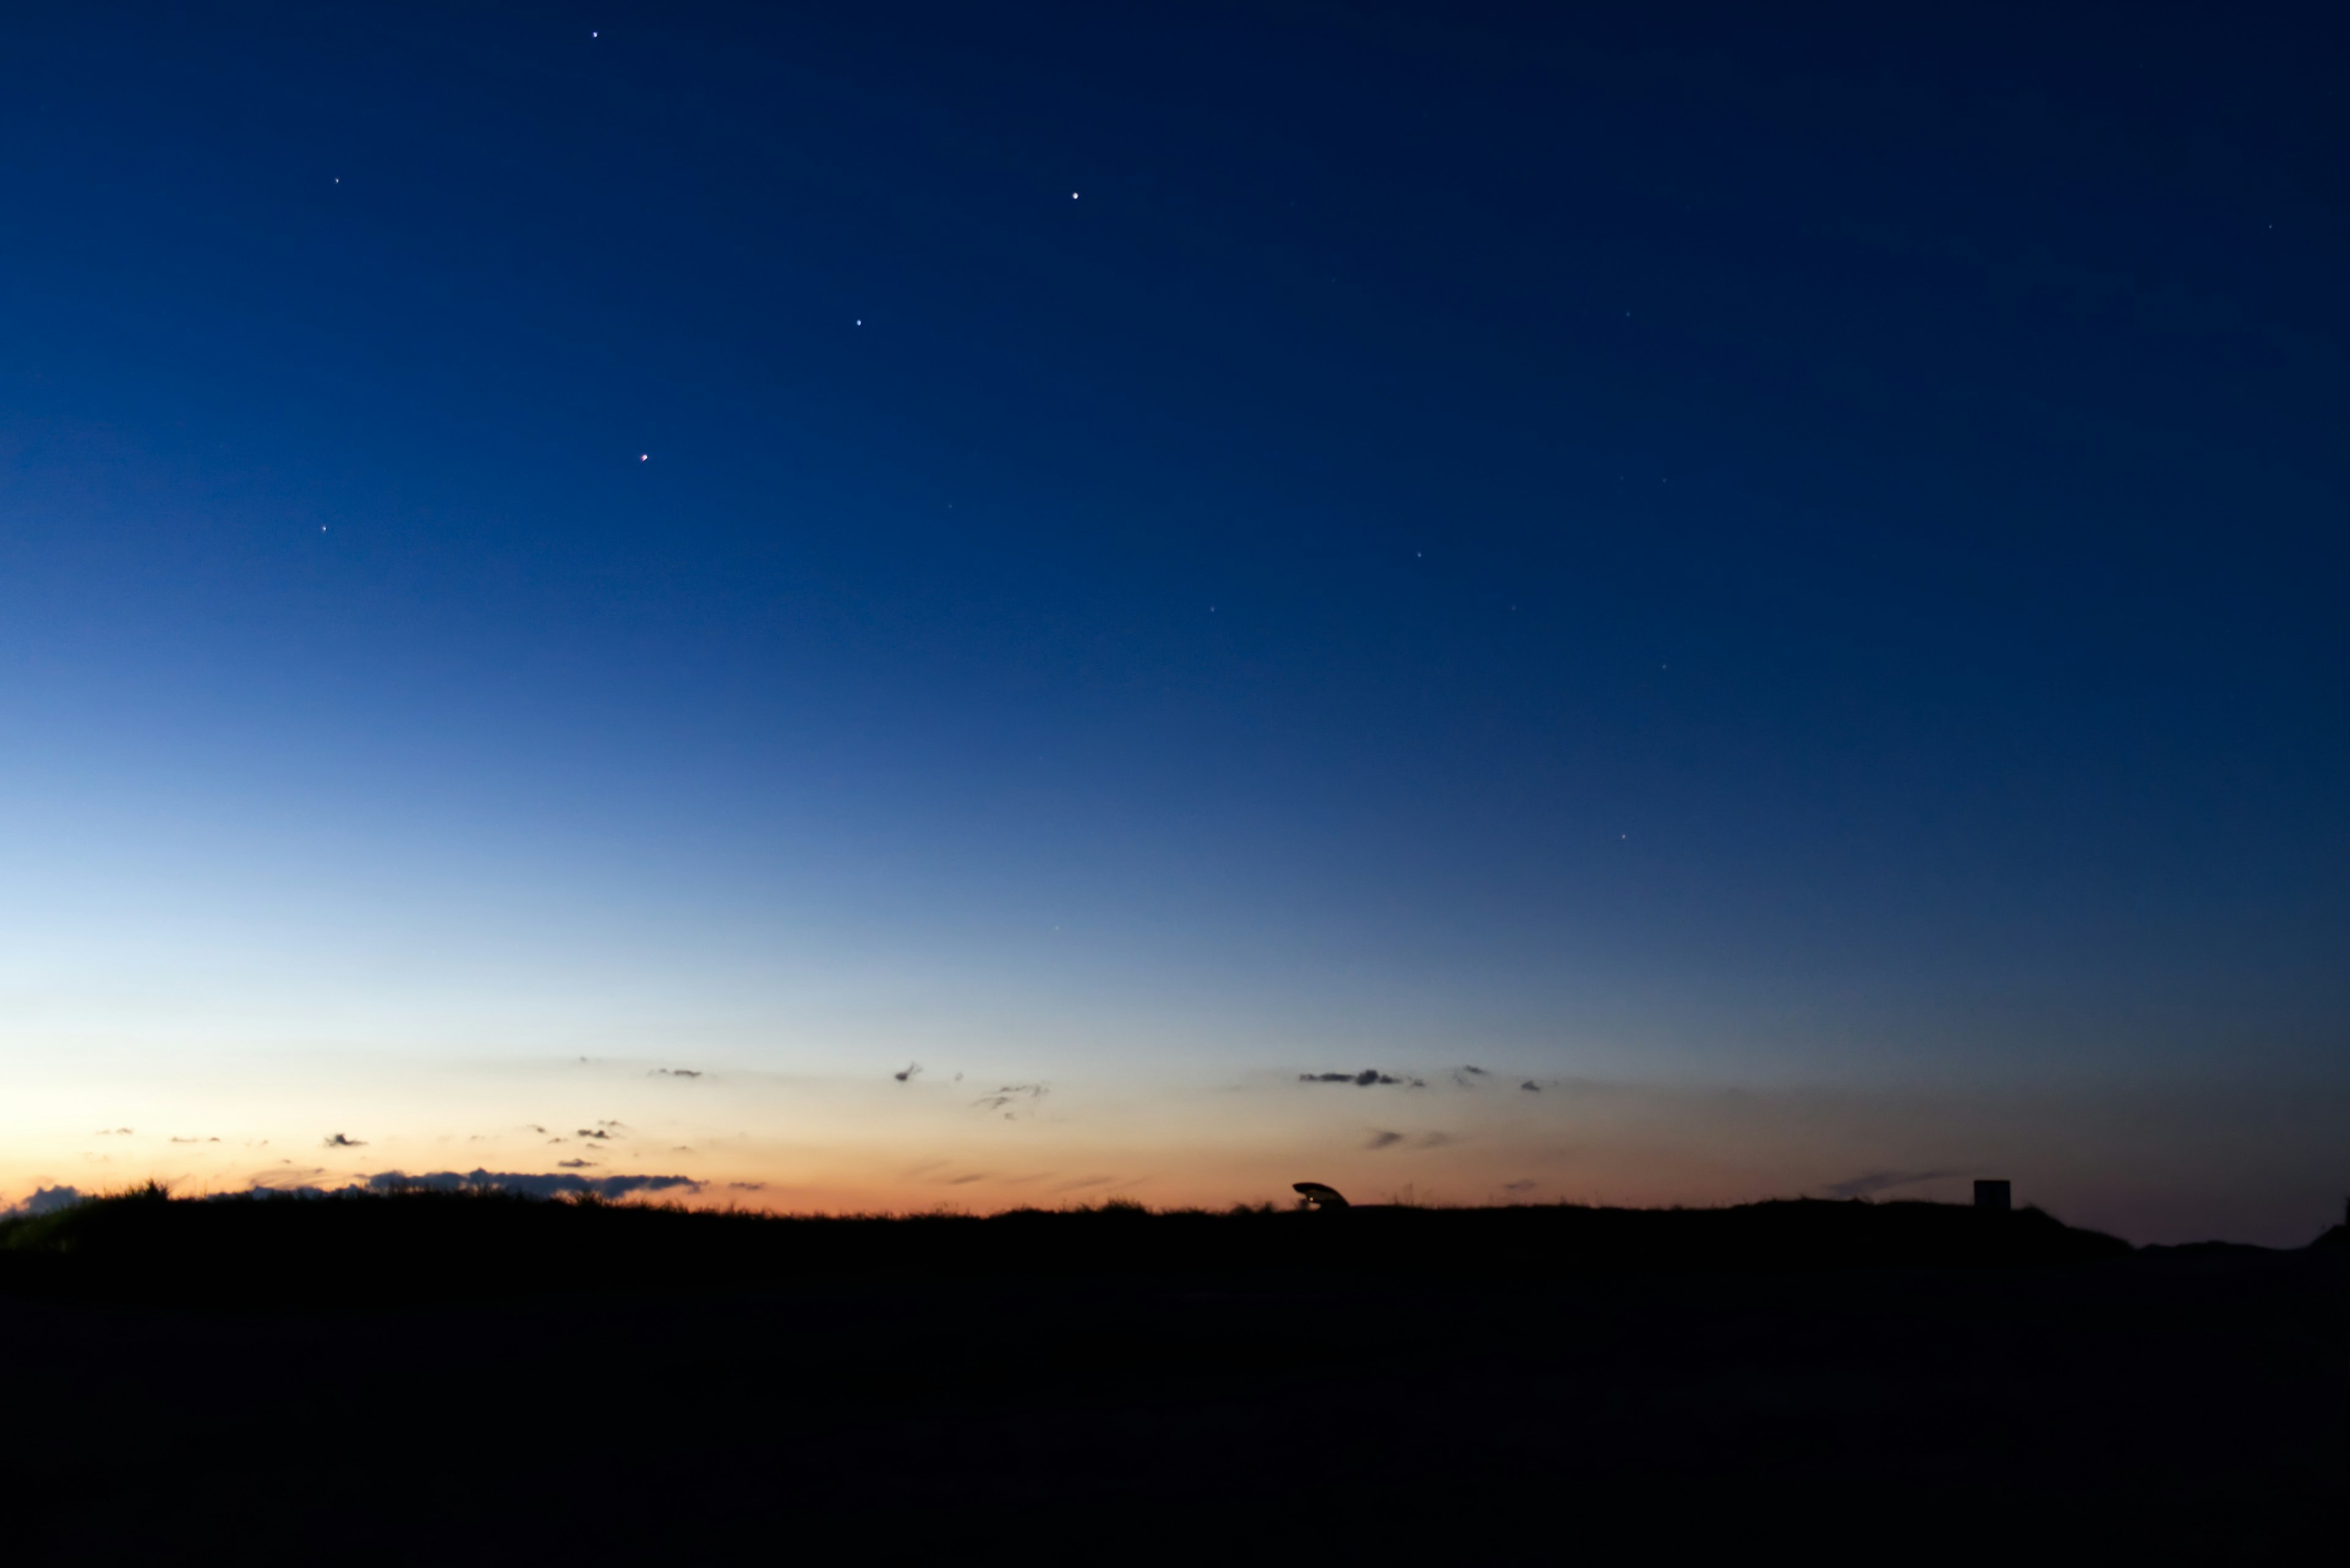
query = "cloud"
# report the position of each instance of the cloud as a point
(1084, 1181)
(1524, 1184)
(195, 1140)
(965, 1180)
(1385, 1139)
(340, 1141)
(1362, 1080)
(1878, 1180)
(1463, 1077)
(906, 1073)
(1013, 1098)
(748, 1186)
(1531, 1086)
(112, 1132)
(46, 1200)
(594, 1132)
(529, 1184)
(574, 1164)
(670, 1072)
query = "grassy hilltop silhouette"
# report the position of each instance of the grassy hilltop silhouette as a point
(429, 1242)
(477, 1376)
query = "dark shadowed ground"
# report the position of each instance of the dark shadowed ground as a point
(484, 1379)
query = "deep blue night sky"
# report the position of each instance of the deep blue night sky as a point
(1669, 551)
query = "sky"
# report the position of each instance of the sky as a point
(912, 605)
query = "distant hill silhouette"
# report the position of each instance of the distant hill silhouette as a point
(457, 1377)
(425, 1243)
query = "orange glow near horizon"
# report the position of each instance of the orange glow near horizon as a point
(829, 1145)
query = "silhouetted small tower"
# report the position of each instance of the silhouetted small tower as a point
(1993, 1195)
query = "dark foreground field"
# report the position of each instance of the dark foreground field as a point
(455, 1378)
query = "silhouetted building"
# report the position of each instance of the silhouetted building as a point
(1993, 1195)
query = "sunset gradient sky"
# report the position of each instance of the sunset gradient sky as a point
(1776, 589)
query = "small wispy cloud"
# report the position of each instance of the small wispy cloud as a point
(1383, 1138)
(1013, 1099)
(907, 1074)
(1367, 1078)
(673, 1072)
(340, 1141)
(1881, 1180)
(1531, 1087)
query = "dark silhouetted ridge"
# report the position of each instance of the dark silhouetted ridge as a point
(433, 1243)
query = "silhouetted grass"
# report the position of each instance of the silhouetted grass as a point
(626, 1380)
(417, 1244)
